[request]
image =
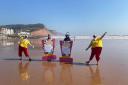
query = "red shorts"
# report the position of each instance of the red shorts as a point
(25, 50)
(96, 52)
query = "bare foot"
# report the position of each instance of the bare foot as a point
(97, 63)
(87, 62)
(30, 59)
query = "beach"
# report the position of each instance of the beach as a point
(112, 68)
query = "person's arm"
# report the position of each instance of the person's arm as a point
(31, 44)
(64, 39)
(103, 35)
(89, 45)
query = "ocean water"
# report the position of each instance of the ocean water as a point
(112, 68)
(113, 49)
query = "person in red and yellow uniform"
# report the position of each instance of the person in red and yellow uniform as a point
(96, 46)
(23, 47)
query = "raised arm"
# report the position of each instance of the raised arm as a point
(103, 35)
(31, 44)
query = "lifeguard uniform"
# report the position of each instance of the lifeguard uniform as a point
(96, 48)
(23, 47)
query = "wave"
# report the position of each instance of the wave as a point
(90, 37)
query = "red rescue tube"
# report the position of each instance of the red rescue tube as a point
(66, 59)
(49, 57)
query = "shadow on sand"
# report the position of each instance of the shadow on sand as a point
(74, 63)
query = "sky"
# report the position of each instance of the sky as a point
(79, 17)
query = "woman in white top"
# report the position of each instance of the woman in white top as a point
(48, 45)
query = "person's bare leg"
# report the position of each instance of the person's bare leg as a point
(20, 57)
(20, 53)
(97, 63)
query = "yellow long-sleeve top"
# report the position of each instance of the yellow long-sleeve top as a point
(98, 42)
(24, 43)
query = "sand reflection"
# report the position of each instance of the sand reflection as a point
(66, 74)
(95, 75)
(48, 73)
(23, 70)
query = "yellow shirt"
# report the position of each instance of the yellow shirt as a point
(97, 43)
(24, 43)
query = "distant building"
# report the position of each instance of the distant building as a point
(6, 31)
(23, 33)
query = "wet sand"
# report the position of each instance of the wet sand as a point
(112, 68)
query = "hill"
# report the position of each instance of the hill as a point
(33, 29)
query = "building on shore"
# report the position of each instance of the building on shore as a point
(6, 31)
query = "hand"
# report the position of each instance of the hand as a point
(33, 46)
(86, 49)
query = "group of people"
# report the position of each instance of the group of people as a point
(96, 46)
